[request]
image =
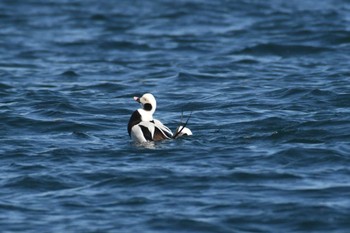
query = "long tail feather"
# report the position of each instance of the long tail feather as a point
(177, 134)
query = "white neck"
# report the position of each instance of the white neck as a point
(146, 115)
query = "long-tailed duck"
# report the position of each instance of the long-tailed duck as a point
(142, 127)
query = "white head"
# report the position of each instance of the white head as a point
(148, 103)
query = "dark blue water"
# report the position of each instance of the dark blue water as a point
(268, 83)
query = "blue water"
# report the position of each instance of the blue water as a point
(268, 83)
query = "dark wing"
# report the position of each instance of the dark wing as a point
(164, 130)
(146, 133)
(134, 120)
(159, 135)
(151, 132)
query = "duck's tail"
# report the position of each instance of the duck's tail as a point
(182, 129)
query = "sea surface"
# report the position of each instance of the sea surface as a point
(268, 85)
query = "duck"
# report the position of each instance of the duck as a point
(142, 127)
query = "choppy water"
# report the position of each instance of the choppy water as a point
(268, 83)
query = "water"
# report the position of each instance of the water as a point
(268, 84)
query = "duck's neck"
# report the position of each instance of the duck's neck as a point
(146, 115)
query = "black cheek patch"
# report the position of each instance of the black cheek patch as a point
(147, 107)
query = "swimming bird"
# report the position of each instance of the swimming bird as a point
(142, 127)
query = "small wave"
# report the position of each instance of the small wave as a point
(4, 86)
(106, 86)
(71, 126)
(283, 50)
(69, 73)
(308, 157)
(123, 45)
(36, 183)
(60, 154)
(18, 65)
(99, 17)
(195, 76)
(178, 224)
(18, 207)
(288, 92)
(341, 100)
(52, 107)
(79, 134)
(135, 201)
(243, 176)
(70, 43)
(305, 96)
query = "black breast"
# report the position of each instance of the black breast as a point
(134, 120)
